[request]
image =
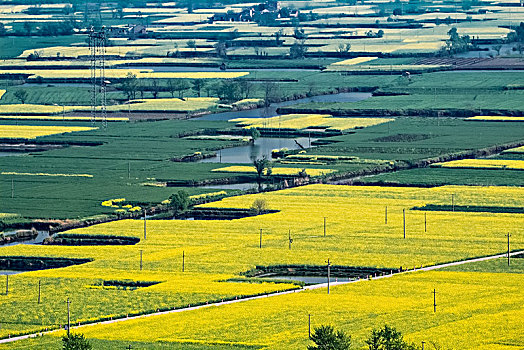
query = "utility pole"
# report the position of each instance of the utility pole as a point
(260, 242)
(508, 235)
(404, 216)
(434, 300)
(325, 226)
(39, 289)
(145, 225)
(290, 240)
(6, 285)
(68, 318)
(183, 261)
(423, 345)
(328, 273)
(141, 252)
(309, 325)
(386, 216)
(425, 223)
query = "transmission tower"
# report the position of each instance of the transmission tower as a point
(97, 48)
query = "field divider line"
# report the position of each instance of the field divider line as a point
(239, 300)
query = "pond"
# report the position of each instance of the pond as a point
(262, 147)
(308, 279)
(10, 272)
(271, 111)
(40, 237)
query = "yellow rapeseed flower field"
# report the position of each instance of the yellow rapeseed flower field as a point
(58, 117)
(483, 164)
(216, 250)
(121, 73)
(356, 60)
(486, 306)
(27, 111)
(302, 121)
(2, 92)
(31, 131)
(274, 170)
(44, 174)
(515, 150)
(496, 118)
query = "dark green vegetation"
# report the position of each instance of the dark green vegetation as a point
(432, 94)
(129, 159)
(442, 176)
(471, 209)
(14, 46)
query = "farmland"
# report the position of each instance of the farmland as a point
(165, 161)
(218, 250)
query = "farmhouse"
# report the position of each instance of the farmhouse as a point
(131, 31)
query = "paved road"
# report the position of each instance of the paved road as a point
(311, 287)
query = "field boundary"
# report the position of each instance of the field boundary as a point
(267, 295)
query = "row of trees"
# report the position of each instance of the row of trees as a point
(385, 338)
(66, 27)
(227, 90)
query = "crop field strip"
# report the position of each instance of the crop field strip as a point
(232, 247)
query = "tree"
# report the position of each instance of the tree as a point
(326, 338)
(298, 49)
(344, 48)
(75, 342)
(259, 206)
(388, 338)
(192, 44)
(179, 201)
(155, 87)
(260, 165)
(198, 85)
(221, 49)
(178, 85)
(129, 85)
(271, 93)
(497, 48)
(278, 35)
(255, 134)
(21, 95)
(245, 87)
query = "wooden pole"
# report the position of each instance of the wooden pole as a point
(328, 274)
(141, 252)
(6, 284)
(508, 235)
(386, 216)
(183, 261)
(68, 318)
(260, 242)
(434, 300)
(324, 226)
(290, 240)
(425, 223)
